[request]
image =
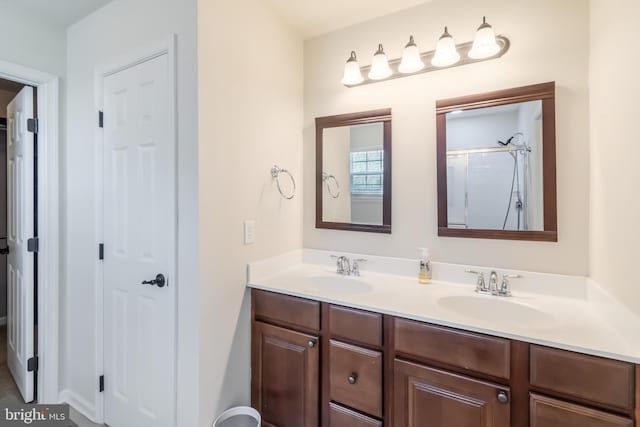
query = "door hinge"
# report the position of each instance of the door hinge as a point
(32, 125)
(32, 364)
(101, 251)
(101, 383)
(101, 119)
(33, 244)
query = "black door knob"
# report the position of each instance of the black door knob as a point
(159, 281)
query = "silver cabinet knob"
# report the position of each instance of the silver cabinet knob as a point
(503, 397)
(312, 343)
(353, 378)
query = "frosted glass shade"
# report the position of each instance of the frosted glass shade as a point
(380, 65)
(446, 51)
(411, 60)
(352, 74)
(484, 43)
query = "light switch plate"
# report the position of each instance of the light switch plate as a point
(249, 232)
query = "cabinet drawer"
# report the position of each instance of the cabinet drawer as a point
(286, 310)
(547, 412)
(355, 325)
(355, 377)
(343, 417)
(604, 382)
(474, 352)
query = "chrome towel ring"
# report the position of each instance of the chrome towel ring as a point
(325, 178)
(275, 174)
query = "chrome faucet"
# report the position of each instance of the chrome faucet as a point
(493, 283)
(346, 268)
(343, 266)
(492, 288)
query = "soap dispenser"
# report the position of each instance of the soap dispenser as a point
(425, 274)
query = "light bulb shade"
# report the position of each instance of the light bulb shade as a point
(352, 74)
(411, 60)
(484, 43)
(380, 65)
(446, 51)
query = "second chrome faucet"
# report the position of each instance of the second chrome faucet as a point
(492, 288)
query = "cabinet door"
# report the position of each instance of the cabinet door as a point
(285, 376)
(548, 412)
(434, 398)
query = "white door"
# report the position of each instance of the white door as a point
(140, 244)
(20, 228)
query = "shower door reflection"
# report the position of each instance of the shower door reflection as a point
(494, 168)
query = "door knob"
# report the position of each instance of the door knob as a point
(312, 343)
(159, 281)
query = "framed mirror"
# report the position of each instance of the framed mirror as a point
(353, 171)
(497, 165)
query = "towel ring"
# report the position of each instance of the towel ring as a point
(275, 174)
(325, 178)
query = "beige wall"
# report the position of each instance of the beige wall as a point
(549, 42)
(336, 149)
(250, 115)
(615, 206)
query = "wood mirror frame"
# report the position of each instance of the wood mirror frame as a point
(364, 117)
(544, 92)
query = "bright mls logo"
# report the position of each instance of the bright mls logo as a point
(37, 415)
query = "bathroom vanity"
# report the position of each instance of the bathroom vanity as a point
(322, 362)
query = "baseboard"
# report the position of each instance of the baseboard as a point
(3, 320)
(78, 403)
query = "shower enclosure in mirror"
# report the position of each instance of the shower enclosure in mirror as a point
(496, 165)
(353, 171)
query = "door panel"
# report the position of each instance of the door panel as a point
(548, 412)
(140, 238)
(430, 397)
(285, 376)
(20, 228)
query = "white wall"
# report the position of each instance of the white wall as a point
(31, 40)
(250, 109)
(615, 206)
(109, 33)
(536, 56)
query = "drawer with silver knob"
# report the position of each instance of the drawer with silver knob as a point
(355, 377)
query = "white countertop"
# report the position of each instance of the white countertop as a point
(575, 313)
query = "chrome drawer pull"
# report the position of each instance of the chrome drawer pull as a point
(353, 378)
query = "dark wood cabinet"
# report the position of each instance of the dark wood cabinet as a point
(430, 397)
(285, 376)
(319, 364)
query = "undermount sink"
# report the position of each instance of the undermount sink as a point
(340, 284)
(497, 310)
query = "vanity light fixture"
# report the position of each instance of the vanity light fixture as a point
(486, 46)
(446, 51)
(352, 74)
(484, 43)
(380, 65)
(411, 60)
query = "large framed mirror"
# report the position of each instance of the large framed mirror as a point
(353, 171)
(497, 165)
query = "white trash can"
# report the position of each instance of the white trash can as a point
(240, 416)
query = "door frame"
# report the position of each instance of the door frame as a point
(166, 46)
(48, 105)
